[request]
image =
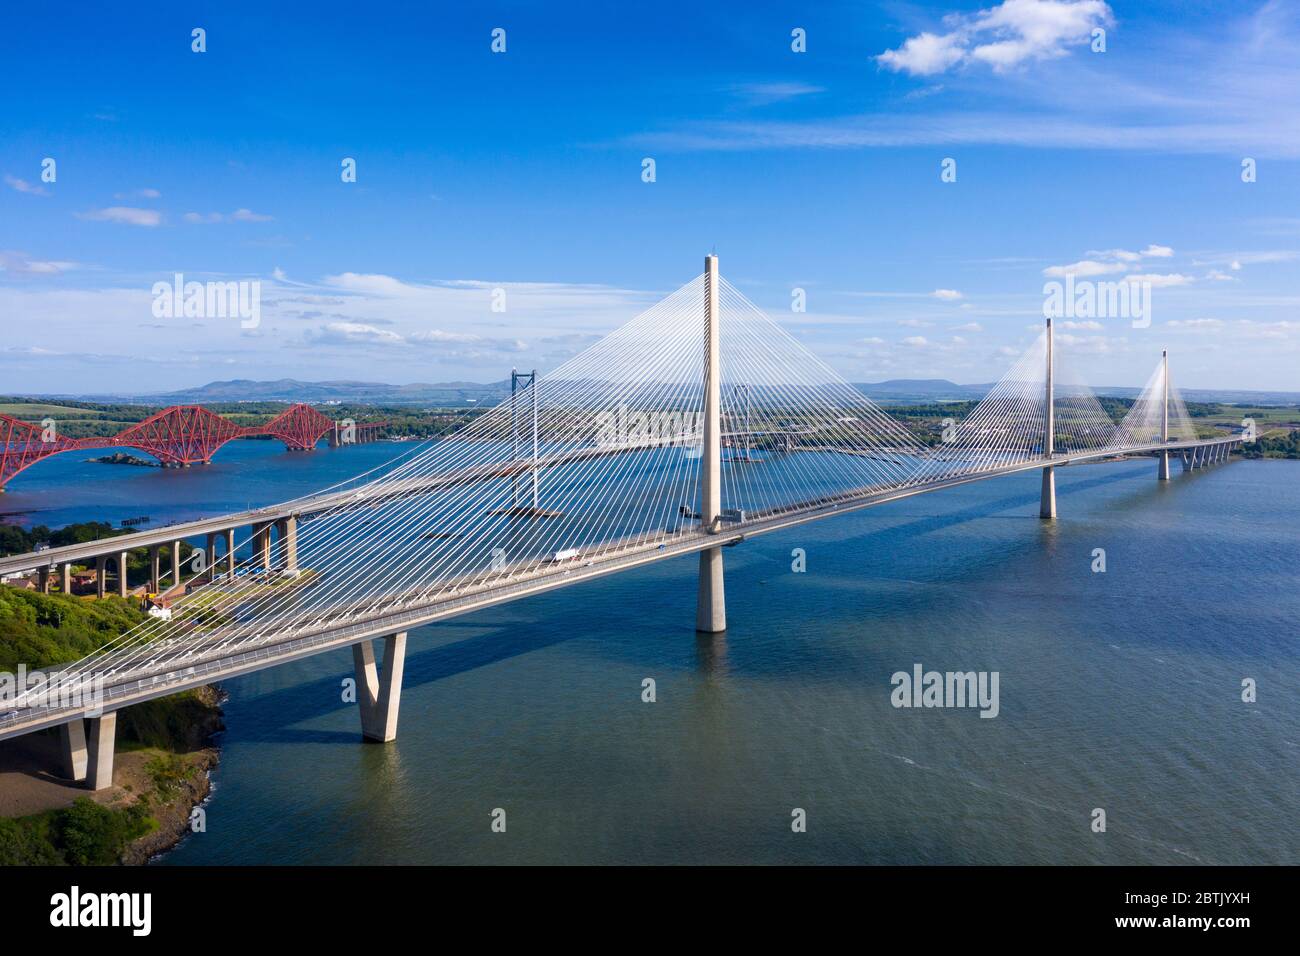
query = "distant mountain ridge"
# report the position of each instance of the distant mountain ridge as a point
(900, 391)
(343, 390)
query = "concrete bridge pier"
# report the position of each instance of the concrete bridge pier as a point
(286, 529)
(175, 548)
(155, 569)
(65, 577)
(88, 746)
(101, 574)
(1047, 500)
(1163, 473)
(229, 535)
(43, 579)
(210, 556)
(262, 544)
(711, 604)
(379, 688)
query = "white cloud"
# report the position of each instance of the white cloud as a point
(1158, 281)
(969, 327)
(19, 263)
(1004, 36)
(916, 341)
(352, 332)
(23, 186)
(1195, 324)
(1083, 268)
(1105, 261)
(1088, 325)
(947, 294)
(924, 54)
(128, 215)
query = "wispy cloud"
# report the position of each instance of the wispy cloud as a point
(23, 186)
(128, 215)
(21, 264)
(762, 94)
(1184, 95)
(239, 215)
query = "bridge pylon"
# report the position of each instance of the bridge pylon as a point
(1047, 500)
(711, 605)
(1163, 473)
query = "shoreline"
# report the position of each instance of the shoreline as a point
(162, 772)
(174, 815)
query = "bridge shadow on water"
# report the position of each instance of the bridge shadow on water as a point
(274, 715)
(271, 715)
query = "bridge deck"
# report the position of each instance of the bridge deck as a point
(178, 665)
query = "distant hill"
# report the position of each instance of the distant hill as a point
(909, 390)
(452, 394)
(921, 390)
(292, 390)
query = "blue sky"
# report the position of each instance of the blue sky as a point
(523, 171)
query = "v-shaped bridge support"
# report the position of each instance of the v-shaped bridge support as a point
(379, 687)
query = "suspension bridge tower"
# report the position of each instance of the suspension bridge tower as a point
(1047, 504)
(1164, 415)
(711, 607)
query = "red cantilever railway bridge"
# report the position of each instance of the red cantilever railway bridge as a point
(177, 436)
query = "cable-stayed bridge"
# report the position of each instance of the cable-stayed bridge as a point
(698, 424)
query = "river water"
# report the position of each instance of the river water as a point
(1119, 691)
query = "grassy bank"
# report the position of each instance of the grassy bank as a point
(162, 752)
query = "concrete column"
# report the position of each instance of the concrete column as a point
(155, 570)
(230, 554)
(65, 577)
(121, 574)
(1047, 498)
(287, 529)
(72, 741)
(43, 579)
(379, 689)
(262, 544)
(210, 556)
(101, 732)
(101, 571)
(176, 562)
(711, 605)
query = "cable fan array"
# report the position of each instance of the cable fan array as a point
(601, 459)
(1144, 423)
